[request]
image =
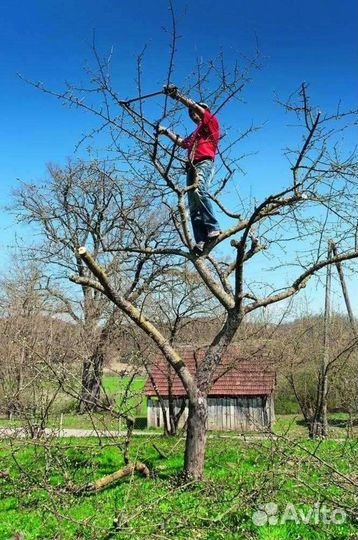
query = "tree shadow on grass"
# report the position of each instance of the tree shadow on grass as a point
(333, 422)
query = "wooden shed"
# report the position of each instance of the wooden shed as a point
(241, 398)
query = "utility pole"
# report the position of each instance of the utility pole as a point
(349, 310)
(345, 292)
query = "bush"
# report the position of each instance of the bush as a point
(140, 422)
(286, 405)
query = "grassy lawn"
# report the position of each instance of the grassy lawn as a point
(274, 489)
(39, 500)
(127, 394)
(117, 387)
(294, 426)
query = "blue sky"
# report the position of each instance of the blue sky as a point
(313, 41)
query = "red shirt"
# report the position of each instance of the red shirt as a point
(203, 142)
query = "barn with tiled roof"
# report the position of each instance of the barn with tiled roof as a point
(241, 398)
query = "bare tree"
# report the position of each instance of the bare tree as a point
(29, 333)
(331, 341)
(288, 228)
(87, 204)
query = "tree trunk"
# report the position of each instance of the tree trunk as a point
(198, 402)
(103, 483)
(96, 380)
(196, 437)
(92, 373)
(83, 404)
(175, 418)
(319, 426)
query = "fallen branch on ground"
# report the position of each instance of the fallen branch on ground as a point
(106, 481)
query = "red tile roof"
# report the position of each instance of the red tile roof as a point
(234, 377)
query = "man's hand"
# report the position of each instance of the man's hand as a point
(161, 130)
(171, 91)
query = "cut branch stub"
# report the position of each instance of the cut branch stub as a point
(95, 268)
(235, 243)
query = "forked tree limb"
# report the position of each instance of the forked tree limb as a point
(87, 282)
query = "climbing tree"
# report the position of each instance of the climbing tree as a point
(286, 228)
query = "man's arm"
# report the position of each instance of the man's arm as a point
(172, 136)
(173, 92)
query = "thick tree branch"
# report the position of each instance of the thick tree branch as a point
(300, 282)
(137, 316)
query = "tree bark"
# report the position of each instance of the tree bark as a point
(319, 426)
(110, 479)
(174, 421)
(198, 402)
(92, 373)
(96, 380)
(83, 404)
(196, 437)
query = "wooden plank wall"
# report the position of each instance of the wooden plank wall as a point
(245, 413)
(155, 413)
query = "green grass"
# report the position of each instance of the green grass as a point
(121, 388)
(291, 425)
(240, 478)
(294, 425)
(127, 394)
(114, 383)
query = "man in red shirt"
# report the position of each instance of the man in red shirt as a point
(202, 147)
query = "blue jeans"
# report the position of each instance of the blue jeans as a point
(200, 207)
